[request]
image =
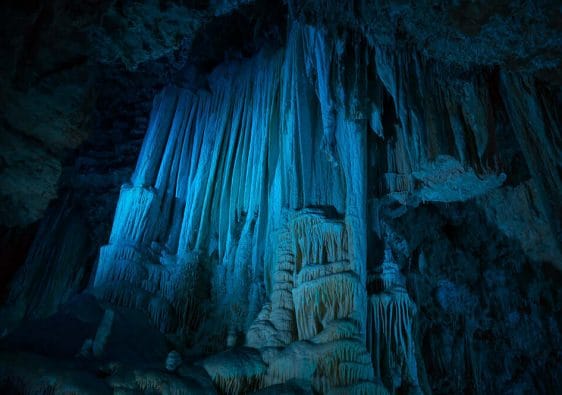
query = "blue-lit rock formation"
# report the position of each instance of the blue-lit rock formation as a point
(333, 211)
(242, 197)
(246, 220)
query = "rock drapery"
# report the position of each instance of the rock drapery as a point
(309, 221)
(218, 171)
(255, 192)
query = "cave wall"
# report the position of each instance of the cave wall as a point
(256, 192)
(346, 211)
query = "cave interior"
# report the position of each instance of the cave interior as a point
(281, 197)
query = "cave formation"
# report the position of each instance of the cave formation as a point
(281, 197)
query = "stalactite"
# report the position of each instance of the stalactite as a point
(323, 300)
(390, 326)
(53, 269)
(319, 239)
(257, 208)
(226, 196)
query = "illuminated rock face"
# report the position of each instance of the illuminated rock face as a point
(243, 201)
(249, 220)
(335, 216)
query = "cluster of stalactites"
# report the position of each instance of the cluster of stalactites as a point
(315, 301)
(318, 240)
(205, 155)
(163, 292)
(215, 170)
(390, 327)
(198, 187)
(320, 301)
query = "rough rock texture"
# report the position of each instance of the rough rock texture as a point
(61, 58)
(331, 197)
